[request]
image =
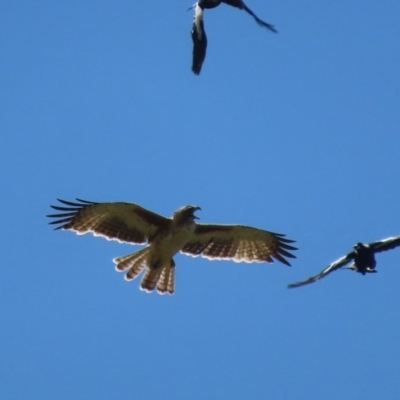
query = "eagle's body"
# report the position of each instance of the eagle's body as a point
(129, 222)
(198, 33)
(157, 256)
(363, 257)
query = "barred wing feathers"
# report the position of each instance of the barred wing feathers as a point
(125, 222)
(238, 243)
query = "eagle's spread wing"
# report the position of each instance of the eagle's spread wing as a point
(239, 243)
(199, 40)
(125, 222)
(330, 268)
(385, 244)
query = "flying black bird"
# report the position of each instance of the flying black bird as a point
(363, 257)
(131, 223)
(199, 35)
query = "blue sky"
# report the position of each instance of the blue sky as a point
(296, 133)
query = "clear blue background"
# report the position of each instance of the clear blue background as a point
(296, 133)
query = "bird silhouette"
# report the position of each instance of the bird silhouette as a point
(198, 33)
(363, 257)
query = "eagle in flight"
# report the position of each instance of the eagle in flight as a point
(199, 35)
(363, 257)
(131, 223)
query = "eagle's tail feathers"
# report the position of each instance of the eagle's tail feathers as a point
(166, 282)
(132, 263)
(150, 279)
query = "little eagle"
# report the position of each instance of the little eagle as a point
(131, 223)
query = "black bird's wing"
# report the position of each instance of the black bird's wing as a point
(242, 6)
(199, 38)
(330, 268)
(385, 244)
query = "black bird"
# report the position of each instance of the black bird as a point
(363, 257)
(199, 35)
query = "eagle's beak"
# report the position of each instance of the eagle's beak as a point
(196, 209)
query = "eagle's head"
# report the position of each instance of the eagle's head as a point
(185, 214)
